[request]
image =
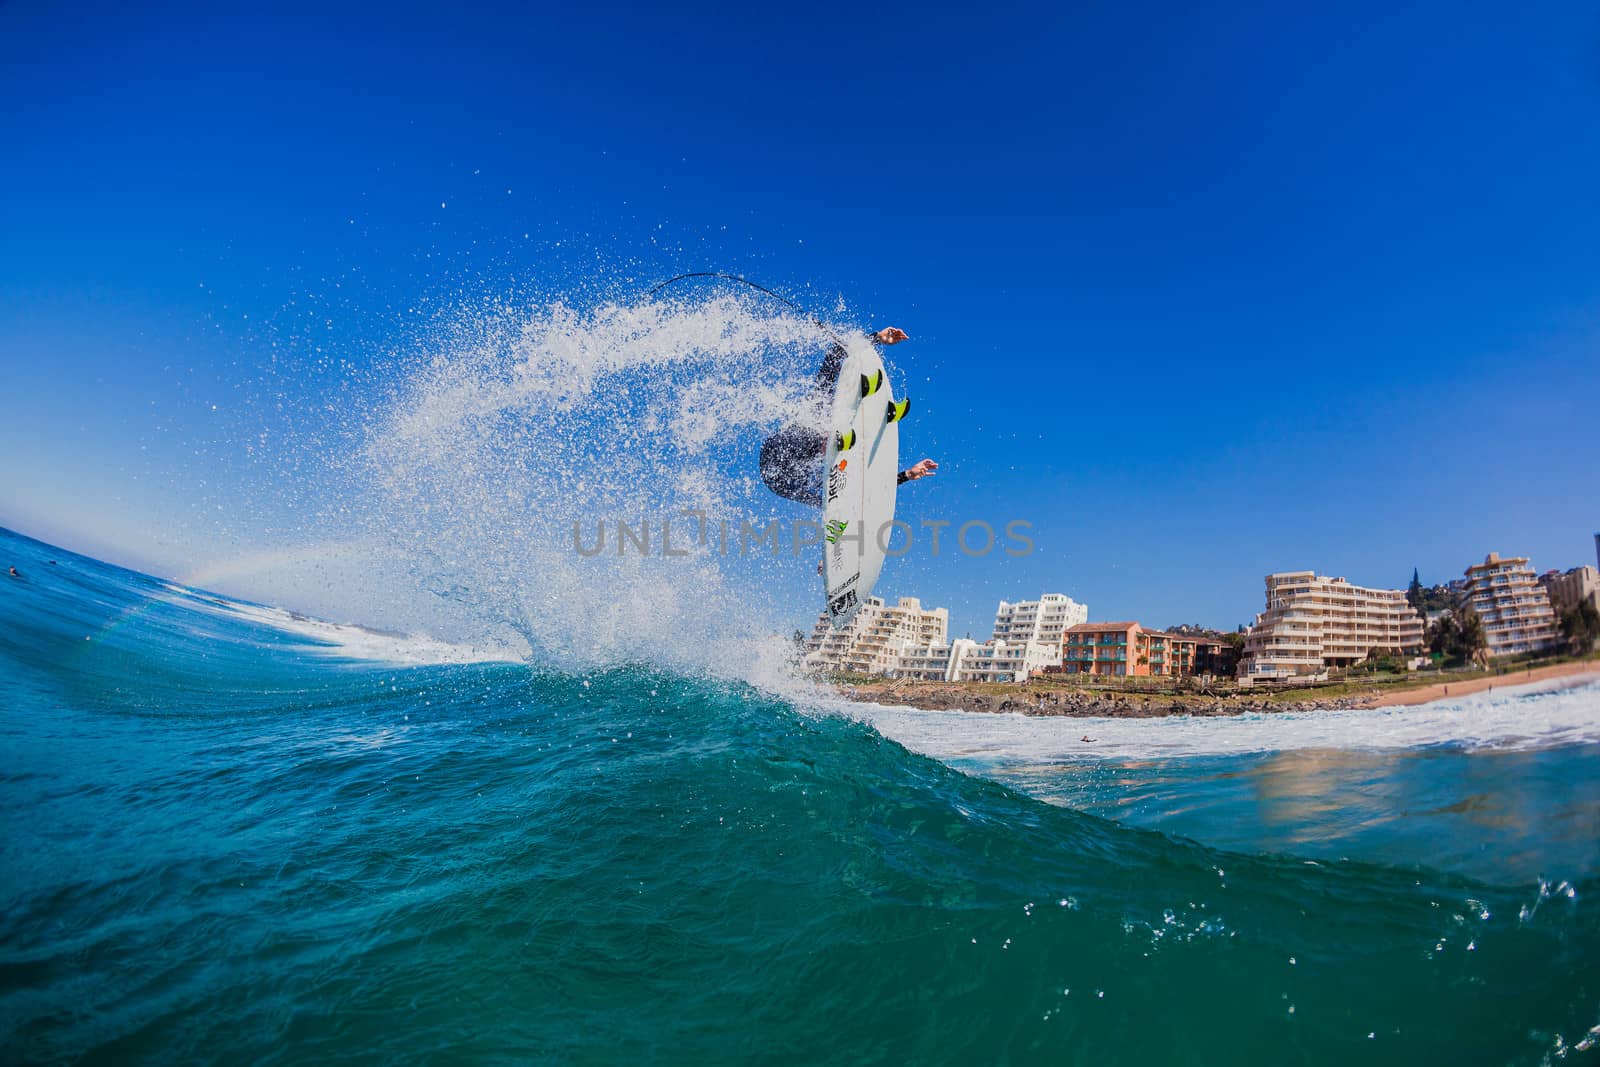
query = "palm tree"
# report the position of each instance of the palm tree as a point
(1472, 644)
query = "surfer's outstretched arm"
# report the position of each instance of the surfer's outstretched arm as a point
(920, 470)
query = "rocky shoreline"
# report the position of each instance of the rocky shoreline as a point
(1068, 703)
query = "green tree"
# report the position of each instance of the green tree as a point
(1459, 636)
(1431, 599)
(1414, 592)
(1580, 625)
(1471, 641)
(1441, 635)
(1379, 660)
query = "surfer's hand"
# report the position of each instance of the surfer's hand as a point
(889, 335)
(921, 470)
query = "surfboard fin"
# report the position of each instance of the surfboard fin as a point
(897, 410)
(871, 383)
(844, 442)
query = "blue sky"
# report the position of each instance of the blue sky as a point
(1203, 294)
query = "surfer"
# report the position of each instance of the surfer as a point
(791, 459)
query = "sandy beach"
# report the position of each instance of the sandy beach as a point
(1571, 673)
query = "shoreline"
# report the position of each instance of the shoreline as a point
(1573, 673)
(1053, 699)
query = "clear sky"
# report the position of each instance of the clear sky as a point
(1203, 292)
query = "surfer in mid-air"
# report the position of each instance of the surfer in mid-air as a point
(792, 458)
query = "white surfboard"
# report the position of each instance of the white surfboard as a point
(863, 463)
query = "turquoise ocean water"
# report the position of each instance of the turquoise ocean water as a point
(227, 840)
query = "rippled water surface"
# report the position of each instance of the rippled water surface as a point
(1502, 785)
(227, 839)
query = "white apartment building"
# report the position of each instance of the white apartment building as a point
(1515, 608)
(1313, 623)
(1043, 620)
(877, 637)
(907, 641)
(1003, 661)
(935, 663)
(1042, 623)
(964, 660)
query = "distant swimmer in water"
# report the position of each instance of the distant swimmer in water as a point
(791, 459)
(14, 573)
(1086, 739)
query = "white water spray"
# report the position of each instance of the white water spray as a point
(517, 428)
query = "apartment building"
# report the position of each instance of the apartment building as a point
(1127, 649)
(964, 660)
(877, 637)
(1036, 628)
(1004, 661)
(1313, 623)
(1043, 620)
(1514, 607)
(1215, 657)
(936, 662)
(1568, 590)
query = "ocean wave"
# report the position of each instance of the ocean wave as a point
(353, 642)
(1515, 717)
(279, 857)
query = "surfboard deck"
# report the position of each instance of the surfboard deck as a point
(861, 484)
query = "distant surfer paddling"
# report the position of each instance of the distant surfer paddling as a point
(792, 458)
